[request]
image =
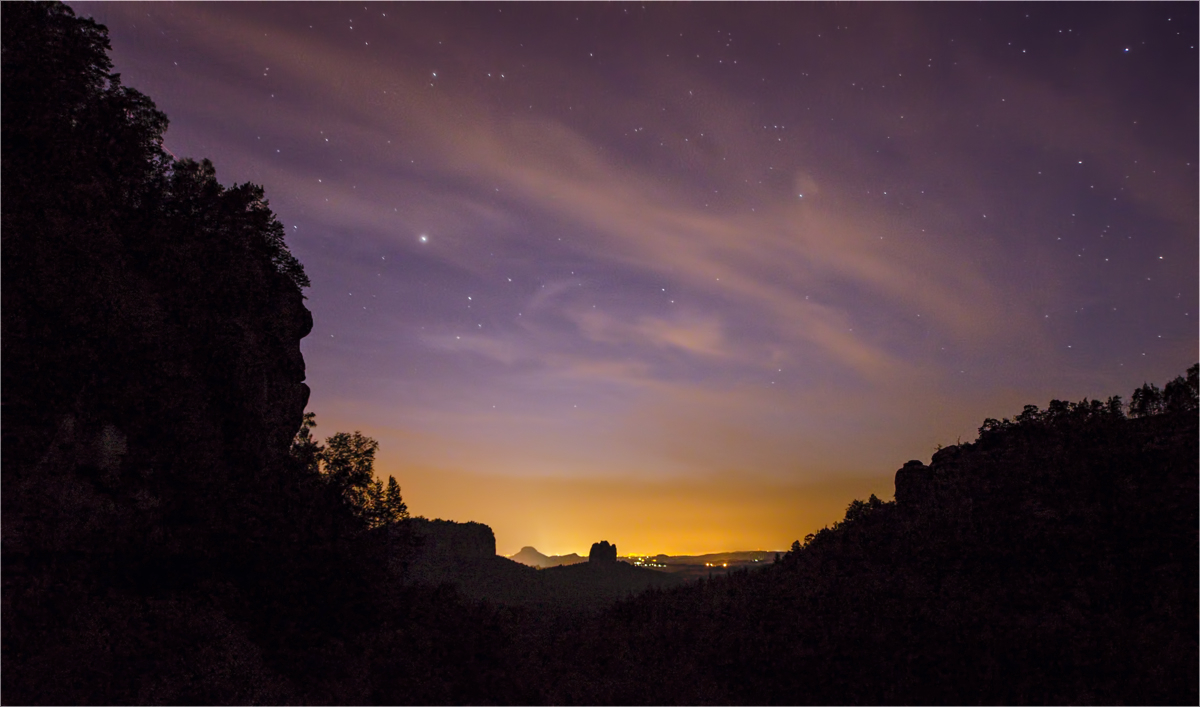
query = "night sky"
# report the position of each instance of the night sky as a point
(691, 277)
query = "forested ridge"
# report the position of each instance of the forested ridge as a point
(1051, 561)
(174, 532)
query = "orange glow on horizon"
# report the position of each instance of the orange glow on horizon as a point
(683, 517)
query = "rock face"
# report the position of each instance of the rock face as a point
(123, 384)
(434, 552)
(913, 483)
(445, 540)
(946, 456)
(603, 553)
(151, 328)
(151, 384)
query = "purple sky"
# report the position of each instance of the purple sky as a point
(690, 277)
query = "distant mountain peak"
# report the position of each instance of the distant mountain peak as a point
(531, 557)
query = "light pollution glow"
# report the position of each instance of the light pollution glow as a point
(691, 278)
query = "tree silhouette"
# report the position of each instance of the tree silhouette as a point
(305, 449)
(347, 464)
(75, 117)
(384, 507)
(395, 508)
(1147, 400)
(348, 460)
(1180, 395)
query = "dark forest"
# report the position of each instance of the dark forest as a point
(173, 531)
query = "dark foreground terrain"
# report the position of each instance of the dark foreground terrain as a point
(169, 538)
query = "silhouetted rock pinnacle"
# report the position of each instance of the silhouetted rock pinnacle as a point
(603, 552)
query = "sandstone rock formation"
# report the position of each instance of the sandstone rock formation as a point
(603, 553)
(446, 540)
(151, 326)
(913, 483)
(151, 384)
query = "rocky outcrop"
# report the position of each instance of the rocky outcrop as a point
(603, 553)
(151, 384)
(946, 456)
(914, 481)
(151, 324)
(135, 388)
(448, 541)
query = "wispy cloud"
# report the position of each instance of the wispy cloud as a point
(696, 335)
(771, 261)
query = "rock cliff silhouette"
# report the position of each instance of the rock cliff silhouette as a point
(152, 381)
(452, 541)
(151, 342)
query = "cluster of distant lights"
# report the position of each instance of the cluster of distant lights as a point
(645, 562)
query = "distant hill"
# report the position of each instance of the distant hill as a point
(531, 557)
(463, 555)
